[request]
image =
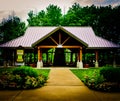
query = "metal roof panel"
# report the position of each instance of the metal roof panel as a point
(83, 34)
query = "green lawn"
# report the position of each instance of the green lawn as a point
(45, 72)
(82, 74)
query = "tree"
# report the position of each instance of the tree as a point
(108, 23)
(73, 16)
(11, 28)
(52, 17)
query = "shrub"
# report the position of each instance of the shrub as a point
(22, 78)
(110, 74)
(25, 71)
(93, 80)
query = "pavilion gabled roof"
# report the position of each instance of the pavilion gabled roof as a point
(84, 35)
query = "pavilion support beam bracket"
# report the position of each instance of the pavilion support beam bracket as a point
(54, 40)
(65, 40)
(59, 38)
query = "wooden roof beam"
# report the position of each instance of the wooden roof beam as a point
(61, 47)
(65, 40)
(53, 40)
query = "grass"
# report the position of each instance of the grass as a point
(44, 72)
(81, 73)
(94, 78)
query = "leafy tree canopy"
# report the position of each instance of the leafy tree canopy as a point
(11, 28)
(50, 17)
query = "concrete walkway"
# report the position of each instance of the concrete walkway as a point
(62, 85)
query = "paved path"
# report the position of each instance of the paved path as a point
(62, 85)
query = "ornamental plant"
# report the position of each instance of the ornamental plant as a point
(22, 78)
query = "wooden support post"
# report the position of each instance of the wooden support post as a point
(80, 63)
(59, 38)
(39, 55)
(80, 54)
(39, 63)
(78, 58)
(96, 55)
(96, 58)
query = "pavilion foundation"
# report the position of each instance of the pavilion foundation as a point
(39, 64)
(79, 64)
(96, 64)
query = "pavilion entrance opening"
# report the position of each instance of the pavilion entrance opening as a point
(59, 57)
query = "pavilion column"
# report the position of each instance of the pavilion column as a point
(39, 63)
(79, 62)
(96, 59)
(114, 60)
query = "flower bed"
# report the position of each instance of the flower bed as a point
(101, 79)
(22, 78)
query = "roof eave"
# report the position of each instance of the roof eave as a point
(103, 48)
(15, 47)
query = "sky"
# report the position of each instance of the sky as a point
(22, 7)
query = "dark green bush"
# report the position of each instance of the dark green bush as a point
(25, 71)
(111, 74)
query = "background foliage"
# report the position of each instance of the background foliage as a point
(11, 28)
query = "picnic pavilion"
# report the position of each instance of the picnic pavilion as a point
(59, 46)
